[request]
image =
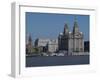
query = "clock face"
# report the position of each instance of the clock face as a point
(77, 35)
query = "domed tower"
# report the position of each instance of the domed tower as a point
(63, 39)
(66, 30)
(78, 43)
(75, 28)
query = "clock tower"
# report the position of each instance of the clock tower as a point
(71, 41)
(78, 43)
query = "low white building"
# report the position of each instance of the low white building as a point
(47, 45)
(41, 42)
(52, 45)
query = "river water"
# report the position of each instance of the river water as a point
(32, 61)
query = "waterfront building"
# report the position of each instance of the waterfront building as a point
(52, 45)
(71, 41)
(47, 45)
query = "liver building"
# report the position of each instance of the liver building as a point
(71, 41)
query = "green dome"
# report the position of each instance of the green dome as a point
(75, 28)
(66, 29)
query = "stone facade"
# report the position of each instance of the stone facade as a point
(52, 45)
(41, 42)
(71, 41)
(47, 45)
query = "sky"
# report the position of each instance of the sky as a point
(49, 25)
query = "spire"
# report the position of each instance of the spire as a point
(30, 39)
(75, 28)
(75, 19)
(66, 29)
